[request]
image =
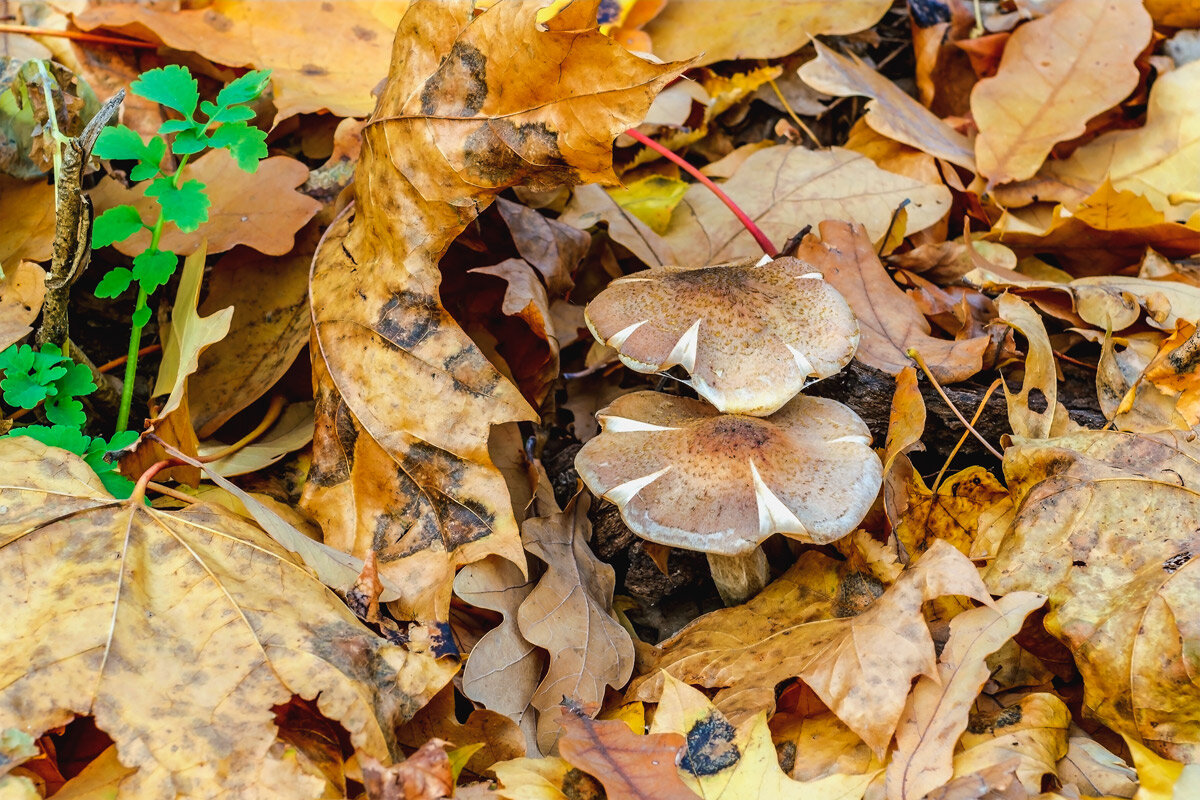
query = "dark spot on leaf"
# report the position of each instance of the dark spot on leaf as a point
(500, 154)
(312, 70)
(989, 722)
(926, 13)
(217, 21)
(327, 6)
(578, 785)
(1037, 401)
(364, 34)
(441, 640)
(459, 87)
(1172, 564)
(786, 752)
(334, 440)
(856, 593)
(407, 318)
(1078, 563)
(710, 746)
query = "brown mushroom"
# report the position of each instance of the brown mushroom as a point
(685, 475)
(749, 336)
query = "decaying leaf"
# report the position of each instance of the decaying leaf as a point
(1094, 769)
(22, 290)
(1057, 72)
(29, 208)
(425, 775)
(405, 400)
(569, 614)
(496, 736)
(590, 205)
(166, 627)
(549, 778)
(952, 514)
(1032, 730)
(785, 188)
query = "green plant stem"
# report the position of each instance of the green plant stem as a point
(135, 330)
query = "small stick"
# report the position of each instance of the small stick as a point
(273, 412)
(116, 362)
(79, 36)
(169, 492)
(913, 354)
(794, 116)
(978, 413)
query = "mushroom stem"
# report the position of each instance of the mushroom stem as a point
(738, 578)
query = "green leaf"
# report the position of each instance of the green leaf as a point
(148, 166)
(76, 382)
(115, 225)
(231, 114)
(91, 449)
(244, 89)
(153, 268)
(246, 144)
(30, 375)
(64, 410)
(190, 141)
(120, 143)
(22, 390)
(172, 86)
(114, 283)
(141, 316)
(16, 357)
(177, 125)
(186, 205)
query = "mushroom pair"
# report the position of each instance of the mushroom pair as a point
(758, 457)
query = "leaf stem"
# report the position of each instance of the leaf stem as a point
(747, 223)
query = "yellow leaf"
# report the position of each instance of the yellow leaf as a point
(953, 514)
(549, 778)
(1033, 731)
(1057, 72)
(651, 199)
(1161, 778)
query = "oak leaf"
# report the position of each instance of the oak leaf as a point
(1057, 72)
(1105, 527)
(166, 628)
(1032, 730)
(805, 625)
(304, 44)
(569, 614)
(406, 402)
(497, 737)
(785, 188)
(888, 319)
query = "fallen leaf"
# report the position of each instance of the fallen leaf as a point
(178, 646)
(811, 624)
(816, 745)
(1173, 372)
(270, 327)
(1040, 376)
(891, 112)
(630, 766)
(28, 210)
(952, 514)
(590, 205)
(261, 209)
(1032, 730)
(1155, 160)
(651, 199)
(906, 421)
(569, 614)
(22, 289)
(721, 762)
(1160, 778)
(305, 47)
(421, 487)
(425, 775)
(549, 778)
(1105, 527)
(1057, 72)
(715, 30)
(551, 246)
(499, 737)
(525, 298)
(785, 188)
(292, 431)
(1094, 769)
(937, 711)
(889, 321)
(504, 669)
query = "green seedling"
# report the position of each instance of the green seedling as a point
(222, 124)
(91, 448)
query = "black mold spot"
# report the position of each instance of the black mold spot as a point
(500, 153)
(407, 318)
(364, 34)
(578, 785)
(1172, 564)
(786, 752)
(1078, 563)
(990, 722)
(608, 12)
(856, 593)
(313, 70)
(459, 87)
(929, 12)
(710, 747)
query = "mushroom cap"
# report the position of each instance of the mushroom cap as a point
(683, 474)
(749, 336)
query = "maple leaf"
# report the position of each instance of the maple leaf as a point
(166, 627)
(405, 400)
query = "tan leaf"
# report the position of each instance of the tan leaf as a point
(304, 44)
(549, 778)
(525, 297)
(1155, 160)
(629, 765)
(22, 290)
(270, 327)
(291, 432)
(504, 669)
(1033, 731)
(1040, 375)
(167, 628)
(891, 112)
(551, 246)
(937, 711)
(804, 625)
(425, 775)
(1094, 769)
(500, 737)
(816, 745)
(716, 30)
(406, 402)
(952, 514)
(1105, 526)
(785, 188)
(261, 210)
(28, 210)
(569, 613)
(721, 762)
(906, 422)
(888, 319)
(591, 205)
(1057, 72)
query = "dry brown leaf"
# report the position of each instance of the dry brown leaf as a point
(291, 432)
(1032, 730)
(1057, 72)
(425, 775)
(888, 319)
(569, 614)
(525, 298)
(500, 737)
(717, 30)
(816, 745)
(906, 421)
(1040, 376)
(550, 245)
(323, 56)
(629, 765)
(1094, 769)
(270, 327)
(27, 207)
(807, 625)
(549, 778)
(22, 290)
(891, 112)
(952, 514)
(1106, 527)
(590, 205)
(937, 711)
(261, 210)
(785, 188)
(1154, 161)
(504, 669)
(166, 628)
(406, 402)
